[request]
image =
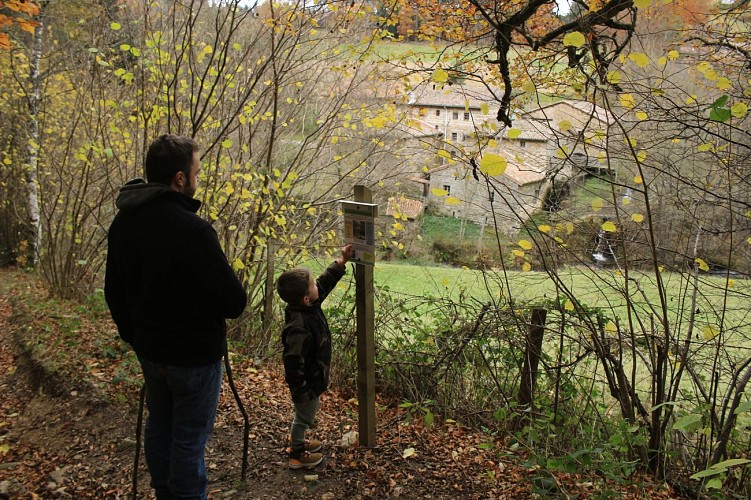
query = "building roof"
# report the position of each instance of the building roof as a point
(593, 110)
(523, 174)
(455, 96)
(410, 207)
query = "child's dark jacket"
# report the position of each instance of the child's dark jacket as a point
(307, 342)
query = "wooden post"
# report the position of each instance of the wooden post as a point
(365, 342)
(532, 357)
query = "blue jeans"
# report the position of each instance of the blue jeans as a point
(182, 406)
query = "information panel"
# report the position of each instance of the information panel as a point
(359, 229)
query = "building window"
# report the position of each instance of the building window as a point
(447, 188)
(438, 112)
(454, 136)
(455, 115)
(522, 144)
(466, 116)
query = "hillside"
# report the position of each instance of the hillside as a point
(70, 400)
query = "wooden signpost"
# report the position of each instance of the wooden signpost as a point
(365, 336)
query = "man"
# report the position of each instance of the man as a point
(169, 288)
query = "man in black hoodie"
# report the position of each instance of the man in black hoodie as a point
(169, 288)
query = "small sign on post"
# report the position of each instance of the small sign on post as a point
(359, 229)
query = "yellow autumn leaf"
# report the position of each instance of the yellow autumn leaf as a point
(673, 55)
(439, 192)
(440, 76)
(731, 282)
(724, 83)
(637, 218)
(492, 164)
(444, 154)
(642, 4)
(702, 264)
(238, 264)
(565, 125)
(445, 282)
(691, 99)
(662, 61)
(627, 101)
(484, 108)
(641, 155)
(638, 179)
(614, 77)
(610, 327)
(227, 143)
(229, 189)
(574, 39)
(641, 59)
(569, 306)
(641, 115)
(703, 66)
(597, 204)
(513, 133)
(525, 244)
(517, 253)
(660, 268)
(608, 227)
(704, 147)
(544, 228)
(739, 110)
(569, 227)
(526, 267)
(452, 200)
(709, 332)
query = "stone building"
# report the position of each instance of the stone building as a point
(546, 146)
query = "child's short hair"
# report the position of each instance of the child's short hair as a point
(292, 285)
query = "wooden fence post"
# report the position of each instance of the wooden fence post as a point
(532, 357)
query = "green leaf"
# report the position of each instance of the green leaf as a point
(707, 473)
(726, 464)
(720, 102)
(743, 407)
(714, 484)
(719, 115)
(689, 422)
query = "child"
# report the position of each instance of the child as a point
(307, 350)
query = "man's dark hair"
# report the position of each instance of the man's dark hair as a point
(292, 285)
(167, 155)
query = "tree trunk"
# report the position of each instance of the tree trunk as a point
(32, 162)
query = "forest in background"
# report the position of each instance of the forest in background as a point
(295, 103)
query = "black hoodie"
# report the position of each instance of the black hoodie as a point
(168, 283)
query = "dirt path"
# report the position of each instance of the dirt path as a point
(69, 431)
